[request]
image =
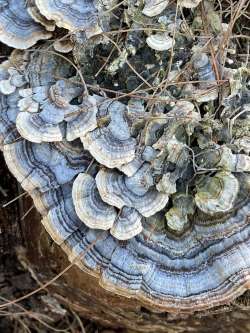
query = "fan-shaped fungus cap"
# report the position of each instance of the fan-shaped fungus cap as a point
(57, 209)
(177, 216)
(39, 18)
(9, 98)
(224, 159)
(11, 77)
(154, 7)
(175, 219)
(33, 128)
(244, 144)
(141, 181)
(149, 153)
(218, 194)
(44, 166)
(69, 14)
(189, 3)
(160, 42)
(113, 190)
(113, 145)
(205, 95)
(127, 224)
(130, 168)
(44, 110)
(89, 206)
(152, 130)
(17, 28)
(43, 68)
(83, 121)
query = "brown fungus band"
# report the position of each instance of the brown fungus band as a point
(131, 124)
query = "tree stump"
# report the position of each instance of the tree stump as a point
(82, 292)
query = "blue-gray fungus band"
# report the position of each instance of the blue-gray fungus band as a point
(131, 127)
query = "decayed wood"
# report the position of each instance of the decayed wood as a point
(82, 292)
(10, 230)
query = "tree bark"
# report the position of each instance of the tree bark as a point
(82, 292)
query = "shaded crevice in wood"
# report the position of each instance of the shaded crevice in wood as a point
(10, 228)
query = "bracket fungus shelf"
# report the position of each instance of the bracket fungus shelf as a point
(17, 28)
(70, 14)
(160, 170)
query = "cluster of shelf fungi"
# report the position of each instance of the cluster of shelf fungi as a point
(157, 180)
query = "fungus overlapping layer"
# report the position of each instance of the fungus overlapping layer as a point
(150, 193)
(17, 28)
(71, 14)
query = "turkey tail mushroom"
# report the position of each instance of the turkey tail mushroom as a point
(89, 206)
(112, 145)
(127, 225)
(154, 188)
(189, 3)
(58, 214)
(160, 42)
(44, 166)
(44, 110)
(18, 29)
(33, 128)
(114, 191)
(154, 7)
(72, 14)
(218, 194)
(82, 121)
